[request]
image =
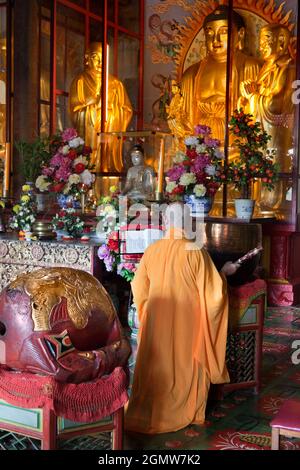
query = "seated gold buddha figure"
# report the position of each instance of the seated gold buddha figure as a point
(140, 179)
(269, 99)
(203, 84)
(85, 109)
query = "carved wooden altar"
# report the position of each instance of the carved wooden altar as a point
(17, 256)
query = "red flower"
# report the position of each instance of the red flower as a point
(86, 150)
(79, 168)
(113, 245)
(178, 190)
(72, 154)
(58, 187)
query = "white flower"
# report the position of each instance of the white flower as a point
(65, 150)
(187, 178)
(73, 179)
(191, 141)
(171, 185)
(179, 157)
(41, 183)
(219, 154)
(87, 177)
(201, 148)
(67, 188)
(210, 170)
(199, 190)
(74, 143)
(80, 159)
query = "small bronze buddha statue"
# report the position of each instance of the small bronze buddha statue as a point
(140, 179)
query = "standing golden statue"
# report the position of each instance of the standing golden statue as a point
(269, 100)
(203, 84)
(85, 109)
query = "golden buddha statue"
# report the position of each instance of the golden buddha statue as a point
(85, 109)
(203, 84)
(269, 99)
(140, 179)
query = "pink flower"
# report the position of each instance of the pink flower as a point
(175, 172)
(129, 266)
(48, 171)
(57, 159)
(69, 134)
(62, 174)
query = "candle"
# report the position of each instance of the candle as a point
(6, 170)
(160, 181)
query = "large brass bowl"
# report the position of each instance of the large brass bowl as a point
(230, 241)
(43, 230)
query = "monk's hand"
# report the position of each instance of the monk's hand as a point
(230, 268)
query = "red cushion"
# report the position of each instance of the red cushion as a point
(83, 402)
(288, 416)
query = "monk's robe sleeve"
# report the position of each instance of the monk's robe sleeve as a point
(140, 288)
(210, 345)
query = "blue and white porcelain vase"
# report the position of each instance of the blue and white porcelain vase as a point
(198, 205)
(68, 200)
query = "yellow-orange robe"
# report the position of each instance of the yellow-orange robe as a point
(183, 312)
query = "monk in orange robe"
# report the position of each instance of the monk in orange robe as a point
(182, 306)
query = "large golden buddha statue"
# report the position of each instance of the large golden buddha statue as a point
(203, 84)
(85, 109)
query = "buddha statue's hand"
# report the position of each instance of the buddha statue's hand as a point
(248, 88)
(92, 101)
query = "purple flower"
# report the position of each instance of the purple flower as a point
(175, 172)
(69, 134)
(109, 261)
(200, 162)
(119, 268)
(202, 130)
(103, 251)
(211, 142)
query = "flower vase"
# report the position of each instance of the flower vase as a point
(244, 209)
(68, 200)
(60, 234)
(198, 205)
(28, 236)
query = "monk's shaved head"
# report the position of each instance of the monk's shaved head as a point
(177, 215)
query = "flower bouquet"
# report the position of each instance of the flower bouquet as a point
(107, 212)
(194, 171)
(66, 220)
(25, 211)
(69, 169)
(109, 253)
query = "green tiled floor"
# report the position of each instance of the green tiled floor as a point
(241, 420)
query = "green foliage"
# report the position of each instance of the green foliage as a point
(34, 155)
(255, 160)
